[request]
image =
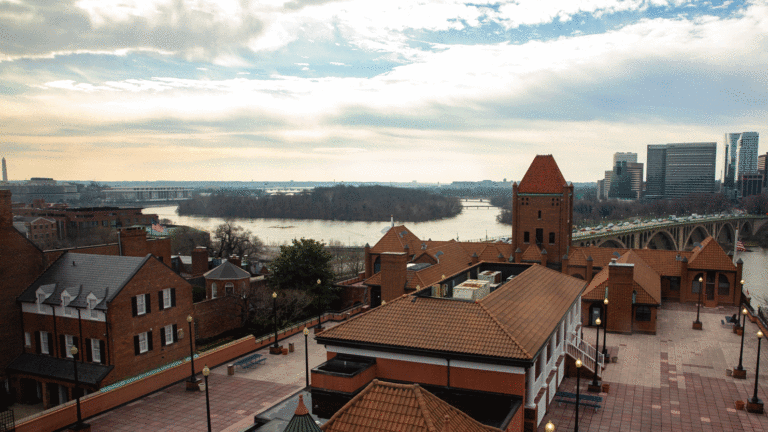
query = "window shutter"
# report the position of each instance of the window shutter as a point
(136, 344)
(62, 347)
(173, 297)
(133, 305)
(175, 333)
(148, 302)
(50, 344)
(39, 343)
(102, 352)
(88, 353)
(149, 341)
(160, 300)
(162, 337)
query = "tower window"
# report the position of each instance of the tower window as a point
(551, 238)
(539, 214)
(526, 237)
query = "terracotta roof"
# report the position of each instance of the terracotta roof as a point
(431, 324)
(710, 256)
(664, 262)
(531, 305)
(532, 253)
(600, 256)
(389, 407)
(395, 239)
(543, 176)
(451, 258)
(646, 282)
(374, 280)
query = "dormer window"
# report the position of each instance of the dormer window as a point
(92, 302)
(65, 300)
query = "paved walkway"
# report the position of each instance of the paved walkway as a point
(675, 380)
(235, 400)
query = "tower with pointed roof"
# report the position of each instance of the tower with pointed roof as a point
(542, 210)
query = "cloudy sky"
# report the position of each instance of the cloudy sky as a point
(362, 90)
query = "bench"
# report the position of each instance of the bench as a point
(730, 320)
(250, 361)
(586, 400)
(729, 323)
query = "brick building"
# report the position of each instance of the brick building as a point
(123, 314)
(227, 291)
(503, 354)
(76, 221)
(38, 229)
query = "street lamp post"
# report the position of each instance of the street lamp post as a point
(319, 308)
(578, 378)
(550, 427)
(697, 324)
(605, 328)
(275, 349)
(79, 425)
(207, 372)
(740, 372)
(192, 382)
(306, 355)
(595, 386)
(755, 405)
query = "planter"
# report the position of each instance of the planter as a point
(606, 388)
(290, 347)
(729, 372)
(614, 359)
(739, 405)
(285, 351)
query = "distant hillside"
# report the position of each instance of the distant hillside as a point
(342, 203)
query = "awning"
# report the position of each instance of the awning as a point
(59, 369)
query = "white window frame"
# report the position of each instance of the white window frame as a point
(168, 334)
(92, 303)
(40, 299)
(214, 290)
(95, 350)
(27, 339)
(141, 306)
(66, 299)
(229, 286)
(44, 348)
(166, 298)
(69, 342)
(143, 343)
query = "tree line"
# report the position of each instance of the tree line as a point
(341, 203)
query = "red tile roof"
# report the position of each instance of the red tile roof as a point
(395, 239)
(646, 282)
(532, 253)
(543, 176)
(710, 256)
(389, 407)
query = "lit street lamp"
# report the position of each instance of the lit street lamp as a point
(550, 427)
(79, 425)
(306, 354)
(192, 380)
(697, 324)
(740, 372)
(754, 404)
(319, 309)
(595, 386)
(207, 372)
(275, 348)
(578, 378)
(605, 328)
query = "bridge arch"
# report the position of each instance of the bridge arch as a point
(746, 228)
(611, 243)
(697, 235)
(726, 235)
(661, 239)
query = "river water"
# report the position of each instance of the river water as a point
(471, 224)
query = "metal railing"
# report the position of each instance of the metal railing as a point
(7, 421)
(579, 349)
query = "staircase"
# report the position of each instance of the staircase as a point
(578, 349)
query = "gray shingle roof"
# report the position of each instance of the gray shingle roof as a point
(227, 271)
(82, 274)
(59, 369)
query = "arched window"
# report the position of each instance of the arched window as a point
(723, 286)
(377, 265)
(695, 284)
(214, 290)
(229, 288)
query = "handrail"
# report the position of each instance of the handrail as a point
(579, 349)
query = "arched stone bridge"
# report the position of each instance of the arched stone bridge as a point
(673, 235)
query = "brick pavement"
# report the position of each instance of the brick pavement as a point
(675, 380)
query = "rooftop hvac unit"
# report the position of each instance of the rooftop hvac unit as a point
(472, 289)
(490, 276)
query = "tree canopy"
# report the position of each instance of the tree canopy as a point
(300, 266)
(230, 239)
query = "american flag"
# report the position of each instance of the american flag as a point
(740, 246)
(157, 227)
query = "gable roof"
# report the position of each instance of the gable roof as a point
(82, 274)
(710, 256)
(389, 407)
(543, 176)
(227, 271)
(645, 281)
(532, 253)
(395, 239)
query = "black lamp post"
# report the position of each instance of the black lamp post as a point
(319, 308)
(79, 425)
(192, 383)
(697, 324)
(275, 348)
(605, 328)
(739, 372)
(306, 355)
(754, 404)
(207, 372)
(595, 386)
(578, 378)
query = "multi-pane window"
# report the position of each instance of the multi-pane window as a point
(45, 347)
(168, 334)
(643, 313)
(229, 288)
(69, 341)
(27, 339)
(214, 290)
(166, 298)
(40, 300)
(92, 306)
(95, 350)
(65, 300)
(143, 343)
(141, 307)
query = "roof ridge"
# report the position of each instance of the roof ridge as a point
(354, 399)
(423, 405)
(366, 313)
(503, 329)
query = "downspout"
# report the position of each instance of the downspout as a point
(119, 244)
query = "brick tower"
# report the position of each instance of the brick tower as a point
(542, 210)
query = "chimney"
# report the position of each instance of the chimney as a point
(544, 257)
(518, 255)
(394, 267)
(368, 263)
(685, 288)
(475, 258)
(620, 279)
(6, 217)
(565, 264)
(588, 276)
(133, 242)
(237, 261)
(199, 261)
(500, 257)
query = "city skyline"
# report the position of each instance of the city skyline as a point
(353, 91)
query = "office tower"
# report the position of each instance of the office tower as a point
(729, 165)
(626, 180)
(5, 172)
(761, 162)
(607, 183)
(624, 157)
(746, 155)
(676, 170)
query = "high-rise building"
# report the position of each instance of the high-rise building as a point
(625, 181)
(761, 165)
(676, 170)
(740, 160)
(747, 154)
(5, 172)
(730, 151)
(624, 157)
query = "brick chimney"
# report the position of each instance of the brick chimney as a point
(6, 217)
(620, 278)
(564, 268)
(393, 274)
(518, 255)
(133, 242)
(475, 258)
(588, 276)
(199, 261)
(236, 260)
(685, 286)
(368, 262)
(544, 257)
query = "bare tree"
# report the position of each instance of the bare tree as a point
(230, 239)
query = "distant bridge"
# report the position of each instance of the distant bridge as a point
(672, 235)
